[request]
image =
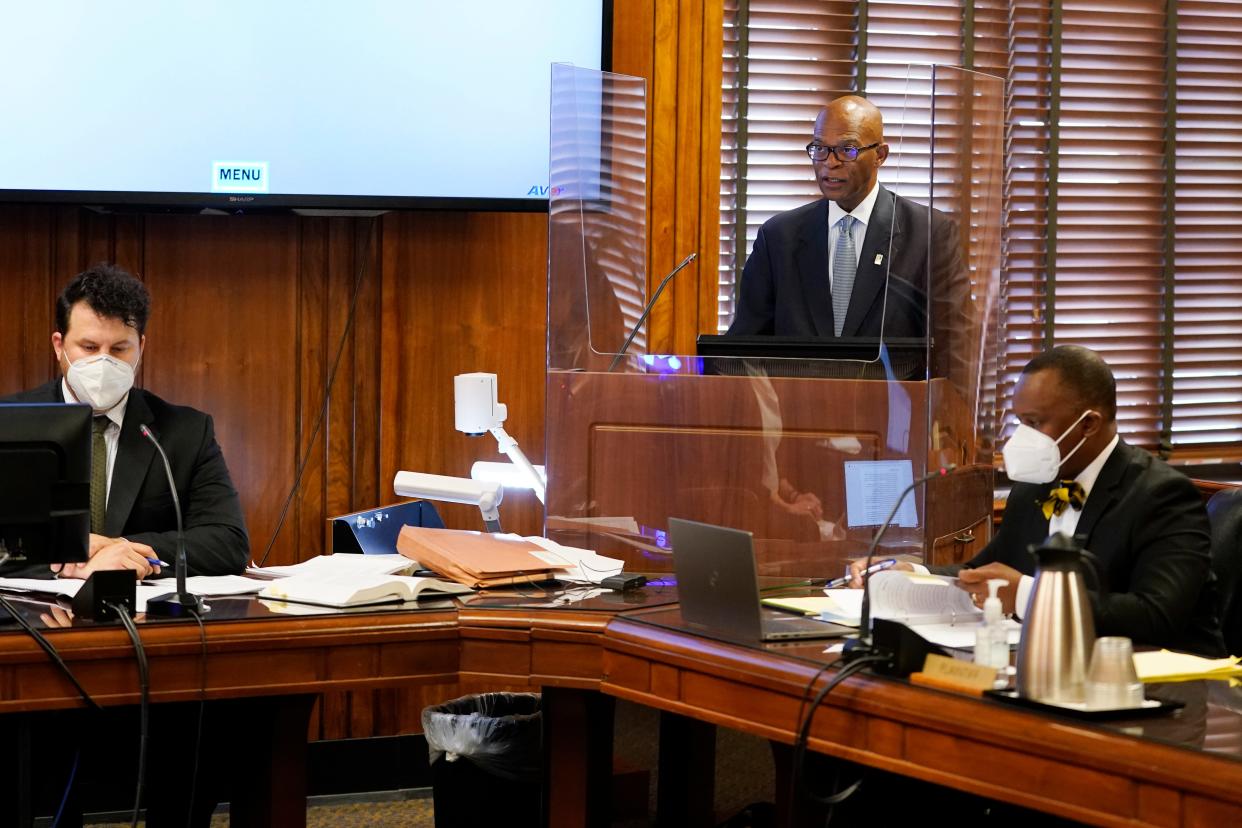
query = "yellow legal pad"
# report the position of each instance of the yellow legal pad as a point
(844, 610)
(809, 605)
(1163, 665)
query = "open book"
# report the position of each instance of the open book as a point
(358, 590)
(933, 606)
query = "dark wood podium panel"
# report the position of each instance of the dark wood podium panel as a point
(632, 450)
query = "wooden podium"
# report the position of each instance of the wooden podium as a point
(635, 440)
(628, 451)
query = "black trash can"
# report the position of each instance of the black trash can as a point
(486, 760)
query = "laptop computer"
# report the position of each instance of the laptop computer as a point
(719, 587)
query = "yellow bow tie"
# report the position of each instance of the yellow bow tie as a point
(1069, 493)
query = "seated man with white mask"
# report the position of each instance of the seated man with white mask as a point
(1144, 522)
(101, 318)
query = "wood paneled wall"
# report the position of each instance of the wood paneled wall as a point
(250, 312)
(677, 46)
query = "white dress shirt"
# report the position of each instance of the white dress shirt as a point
(1067, 521)
(861, 214)
(112, 434)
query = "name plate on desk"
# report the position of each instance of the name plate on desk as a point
(954, 674)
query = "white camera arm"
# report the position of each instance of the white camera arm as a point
(484, 494)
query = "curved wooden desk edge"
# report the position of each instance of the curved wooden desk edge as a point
(244, 658)
(1036, 761)
(536, 647)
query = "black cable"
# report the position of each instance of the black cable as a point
(50, 650)
(144, 685)
(64, 799)
(202, 702)
(810, 685)
(806, 696)
(64, 668)
(804, 730)
(327, 393)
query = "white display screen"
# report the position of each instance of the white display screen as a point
(284, 102)
(871, 488)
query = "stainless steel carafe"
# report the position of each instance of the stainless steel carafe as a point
(1058, 631)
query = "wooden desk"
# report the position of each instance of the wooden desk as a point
(586, 654)
(1091, 773)
(251, 652)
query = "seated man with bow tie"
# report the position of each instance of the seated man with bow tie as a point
(1144, 522)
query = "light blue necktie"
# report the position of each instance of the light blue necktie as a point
(844, 265)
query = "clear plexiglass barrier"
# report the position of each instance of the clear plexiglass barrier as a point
(803, 441)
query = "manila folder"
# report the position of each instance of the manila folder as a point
(476, 559)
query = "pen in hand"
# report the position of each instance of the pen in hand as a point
(838, 583)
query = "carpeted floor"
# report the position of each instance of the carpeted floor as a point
(414, 812)
(743, 776)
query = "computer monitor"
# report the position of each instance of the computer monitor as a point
(854, 357)
(45, 483)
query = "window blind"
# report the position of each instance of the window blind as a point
(1122, 190)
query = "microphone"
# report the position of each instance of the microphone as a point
(864, 644)
(647, 309)
(182, 602)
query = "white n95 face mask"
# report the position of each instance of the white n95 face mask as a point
(100, 380)
(1033, 457)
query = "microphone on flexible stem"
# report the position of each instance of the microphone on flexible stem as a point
(647, 309)
(900, 643)
(182, 602)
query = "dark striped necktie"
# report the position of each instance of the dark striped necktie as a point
(99, 474)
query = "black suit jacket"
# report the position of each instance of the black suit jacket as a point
(1146, 525)
(785, 289)
(140, 505)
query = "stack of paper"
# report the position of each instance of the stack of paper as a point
(1163, 665)
(930, 605)
(344, 564)
(217, 585)
(582, 566)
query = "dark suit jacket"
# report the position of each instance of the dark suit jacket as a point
(140, 505)
(1146, 525)
(785, 289)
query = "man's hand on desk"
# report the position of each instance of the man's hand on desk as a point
(975, 581)
(112, 553)
(855, 570)
(57, 617)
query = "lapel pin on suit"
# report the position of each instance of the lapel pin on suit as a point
(879, 258)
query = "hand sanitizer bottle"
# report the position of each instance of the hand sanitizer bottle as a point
(991, 639)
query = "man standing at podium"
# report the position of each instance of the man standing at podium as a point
(100, 338)
(854, 263)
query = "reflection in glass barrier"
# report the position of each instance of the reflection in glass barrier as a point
(821, 404)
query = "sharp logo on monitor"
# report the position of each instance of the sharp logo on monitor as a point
(239, 177)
